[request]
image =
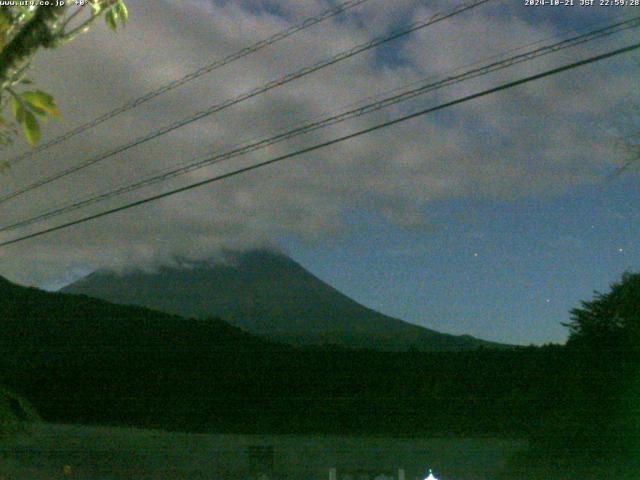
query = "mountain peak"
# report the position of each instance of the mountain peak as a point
(267, 293)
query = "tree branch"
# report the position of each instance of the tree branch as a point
(39, 32)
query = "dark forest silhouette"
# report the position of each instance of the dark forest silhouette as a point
(81, 360)
(593, 430)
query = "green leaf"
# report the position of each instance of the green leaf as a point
(39, 112)
(111, 18)
(31, 128)
(41, 103)
(123, 12)
(18, 109)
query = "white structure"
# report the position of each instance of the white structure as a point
(430, 477)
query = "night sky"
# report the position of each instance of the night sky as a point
(492, 218)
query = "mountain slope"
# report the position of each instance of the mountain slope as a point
(268, 294)
(82, 360)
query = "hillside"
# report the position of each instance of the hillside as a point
(79, 359)
(15, 412)
(83, 360)
(270, 295)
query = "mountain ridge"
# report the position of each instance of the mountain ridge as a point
(269, 294)
(77, 359)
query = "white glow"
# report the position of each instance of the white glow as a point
(431, 476)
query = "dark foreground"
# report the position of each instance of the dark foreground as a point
(99, 453)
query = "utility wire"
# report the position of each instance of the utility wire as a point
(328, 143)
(245, 96)
(307, 23)
(356, 112)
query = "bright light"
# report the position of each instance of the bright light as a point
(430, 477)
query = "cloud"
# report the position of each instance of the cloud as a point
(538, 139)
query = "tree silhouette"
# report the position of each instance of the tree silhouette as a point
(595, 430)
(610, 321)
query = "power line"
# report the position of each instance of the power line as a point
(331, 120)
(334, 141)
(239, 54)
(245, 96)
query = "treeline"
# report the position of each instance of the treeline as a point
(595, 432)
(83, 360)
(237, 389)
(80, 360)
